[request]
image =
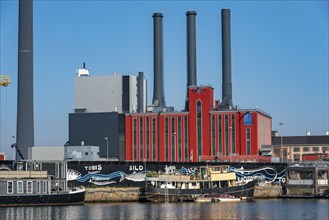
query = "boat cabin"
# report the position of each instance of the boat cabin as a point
(28, 177)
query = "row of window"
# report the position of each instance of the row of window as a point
(175, 141)
(229, 136)
(60, 170)
(28, 187)
(308, 149)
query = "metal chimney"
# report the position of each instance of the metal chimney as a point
(158, 94)
(25, 116)
(226, 61)
(191, 49)
(191, 52)
(140, 92)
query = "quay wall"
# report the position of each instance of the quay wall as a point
(112, 194)
(131, 194)
(267, 192)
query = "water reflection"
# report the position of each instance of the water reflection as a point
(259, 209)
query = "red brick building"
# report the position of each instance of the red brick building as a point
(202, 133)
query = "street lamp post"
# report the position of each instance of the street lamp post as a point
(107, 148)
(281, 124)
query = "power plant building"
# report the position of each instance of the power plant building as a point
(108, 93)
(207, 130)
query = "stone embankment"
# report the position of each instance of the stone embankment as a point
(131, 194)
(109, 194)
(266, 192)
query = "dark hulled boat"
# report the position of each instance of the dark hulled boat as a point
(209, 181)
(29, 185)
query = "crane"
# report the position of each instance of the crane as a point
(4, 80)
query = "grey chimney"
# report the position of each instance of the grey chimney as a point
(158, 93)
(226, 61)
(25, 115)
(191, 49)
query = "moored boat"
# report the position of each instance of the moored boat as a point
(29, 185)
(207, 182)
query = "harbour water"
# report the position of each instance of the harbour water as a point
(258, 209)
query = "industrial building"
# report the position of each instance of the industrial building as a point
(109, 93)
(207, 130)
(298, 148)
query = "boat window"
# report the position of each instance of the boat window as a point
(45, 187)
(38, 187)
(57, 170)
(63, 170)
(29, 187)
(19, 186)
(10, 188)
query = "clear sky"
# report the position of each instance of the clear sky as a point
(279, 57)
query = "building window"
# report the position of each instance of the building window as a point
(135, 139)
(305, 149)
(315, 149)
(86, 153)
(233, 134)
(220, 146)
(226, 135)
(199, 127)
(154, 129)
(248, 141)
(29, 187)
(148, 138)
(324, 149)
(19, 186)
(10, 187)
(296, 149)
(296, 157)
(141, 139)
(179, 138)
(166, 138)
(173, 139)
(186, 139)
(213, 135)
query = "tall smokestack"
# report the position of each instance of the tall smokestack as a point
(158, 94)
(191, 49)
(226, 61)
(191, 52)
(25, 123)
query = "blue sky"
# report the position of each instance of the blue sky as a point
(279, 57)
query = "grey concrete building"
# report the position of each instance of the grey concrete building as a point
(109, 93)
(82, 153)
(46, 153)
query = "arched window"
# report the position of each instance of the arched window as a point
(199, 127)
